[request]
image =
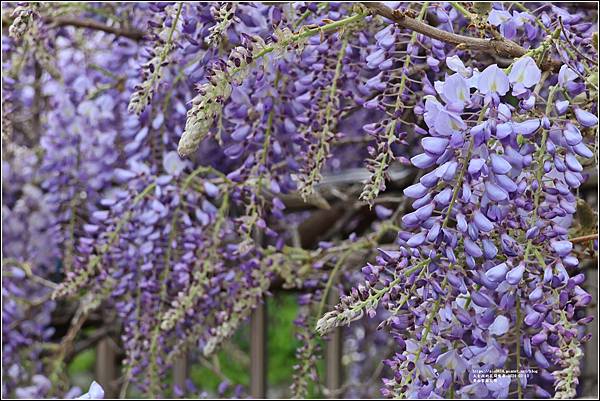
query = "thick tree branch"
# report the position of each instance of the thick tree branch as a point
(498, 46)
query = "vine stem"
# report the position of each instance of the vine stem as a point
(163, 294)
(458, 7)
(381, 292)
(331, 279)
(314, 31)
(463, 170)
(323, 151)
(86, 23)
(434, 311)
(540, 170)
(163, 55)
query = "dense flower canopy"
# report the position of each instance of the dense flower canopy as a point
(161, 160)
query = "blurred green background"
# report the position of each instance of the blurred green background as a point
(233, 360)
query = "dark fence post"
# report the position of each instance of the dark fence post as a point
(589, 364)
(258, 351)
(106, 367)
(180, 372)
(333, 354)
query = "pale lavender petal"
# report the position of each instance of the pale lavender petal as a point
(565, 75)
(173, 164)
(541, 360)
(482, 222)
(416, 240)
(472, 248)
(572, 135)
(96, 391)
(383, 212)
(455, 64)
(489, 249)
(503, 130)
(480, 300)
(532, 318)
(493, 80)
(582, 150)
(528, 127)
(475, 165)
(573, 179)
(500, 326)
(562, 106)
(499, 164)
(456, 90)
(585, 118)
(528, 103)
(497, 273)
(572, 163)
(498, 17)
(536, 294)
(416, 191)
(494, 192)
(422, 160)
(506, 183)
(525, 71)
(515, 275)
(122, 175)
(562, 248)
(435, 145)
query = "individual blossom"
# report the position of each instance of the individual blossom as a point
(524, 74)
(96, 392)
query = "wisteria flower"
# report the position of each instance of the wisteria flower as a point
(524, 74)
(95, 392)
(504, 20)
(454, 91)
(566, 75)
(492, 81)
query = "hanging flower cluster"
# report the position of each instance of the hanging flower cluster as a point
(486, 253)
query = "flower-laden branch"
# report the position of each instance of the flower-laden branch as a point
(498, 46)
(152, 69)
(383, 155)
(75, 281)
(29, 28)
(212, 95)
(312, 171)
(478, 171)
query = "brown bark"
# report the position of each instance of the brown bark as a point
(496, 46)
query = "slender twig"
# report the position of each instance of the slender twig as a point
(584, 238)
(133, 33)
(87, 23)
(566, 35)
